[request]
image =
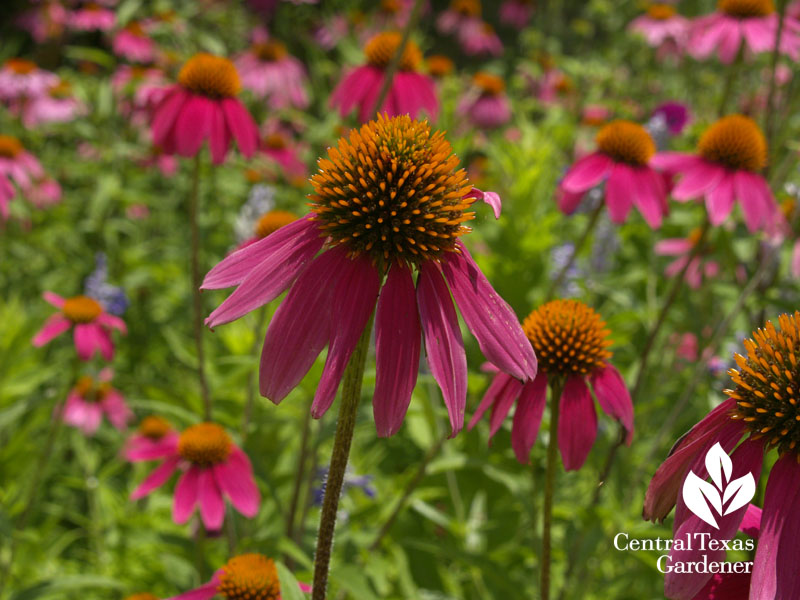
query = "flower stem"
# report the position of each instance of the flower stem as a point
(348, 410)
(299, 478)
(556, 388)
(677, 285)
(252, 384)
(769, 115)
(587, 231)
(196, 294)
(730, 80)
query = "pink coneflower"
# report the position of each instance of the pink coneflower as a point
(660, 25)
(20, 167)
(486, 105)
(686, 346)
(753, 23)
(167, 164)
(91, 325)
(404, 214)
(203, 105)
(516, 13)
(330, 32)
(479, 38)
(154, 439)
(279, 147)
(675, 115)
(439, 66)
(411, 92)
(595, 115)
(90, 399)
(212, 465)
(270, 72)
(726, 168)
(570, 340)
(21, 78)
(622, 159)
(139, 91)
(682, 248)
(459, 14)
(92, 17)
(57, 105)
(552, 86)
(760, 413)
(45, 21)
(245, 576)
(132, 43)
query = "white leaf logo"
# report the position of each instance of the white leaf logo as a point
(706, 500)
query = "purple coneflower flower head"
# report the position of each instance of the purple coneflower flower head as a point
(90, 399)
(154, 439)
(486, 104)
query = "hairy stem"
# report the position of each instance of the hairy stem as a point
(556, 387)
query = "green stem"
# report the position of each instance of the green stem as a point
(769, 116)
(556, 387)
(196, 294)
(587, 231)
(348, 410)
(251, 381)
(730, 80)
(299, 478)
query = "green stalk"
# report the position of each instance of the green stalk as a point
(197, 281)
(556, 387)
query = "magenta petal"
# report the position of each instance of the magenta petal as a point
(673, 162)
(496, 387)
(157, 478)
(204, 592)
(53, 299)
(528, 417)
(673, 247)
(755, 198)
(698, 180)
(728, 586)
(567, 201)
(233, 269)
(775, 572)
(194, 125)
(235, 478)
(209, 497)
(620, 192)
(300, 327)
(54, 326)
(355, 296)
(269, 277)
(186, 494)
(614, 398)
(241, 125)
(443, 343)
(649, 195)
(751, 522)
(166, 115)
(587, 172)
(490, 198)
(86, 341)
(577, 424)
(719, 201)
(504, 400)
(220, 136)
(398, 338)
(490, 319)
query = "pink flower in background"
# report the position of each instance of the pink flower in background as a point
(132, 43)
(44, 192)
(57, 105)
(623, 161)
(748, 22)
(271, 73)
(21, 78)
(137, 211)
(278, 144)
(595, 115)
(92, 16)
(45, 21)
(91, 325)
(516, 13)
(20, 167)
(330, 32)
(575, 327)
(90, 399)
(337, 256)
(203, 105)
(662, 25)
(553, 85)
(675, 115)
(154, 439)
(411, 93)
(267, 224)
(213, 467)
(458, 15)
(486, 105)
(479, 38)
(167, 164)
(139, 91)
(731, 154)
(246, 575)
(682, 248)
(686, 346)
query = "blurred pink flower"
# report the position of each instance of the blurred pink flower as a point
(154, 439)
(20, 167)
(138, 211)
(212, 466)
(132, 43)
(278, 145)
(139, 90)
(92, 326)
(486, 105)
(21, 78)
(660, 25)
(459, 14)
(516, 13)
(686, 346)
(271, 73)
(92, 17)
(682, 248)
(90, 399)
(57, 105)
(45, 21)
(479, 38)
(329, 32)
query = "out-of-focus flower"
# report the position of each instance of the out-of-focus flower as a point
(726, 168)
(516, 13)
(595, 115)
(142, 596)
(552, 86)
(686, 346)
(57, 105)
(139, 91)
(752, 23)
(111, 297)
(683, 248)
(270, 72)
(212, 466)
(439, 65)
(91, 325)
(675, 114)
(278, 146)
(328, 33)
(622, 160)
(90, 399)
(459, 14)
(21, 78)
(44, 21)
(414, 224)
(479, 38)
(570, 339)
(133, 43)
(486, 104)
(411, 92)
(154, 439)
(362, 482)
(203, 105)
(760, 414)
(660, 25)
(92, 16)
(137, 211)
(244, 576)
(155, 157)
(20, 167)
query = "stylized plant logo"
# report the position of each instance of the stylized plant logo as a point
(700, 496)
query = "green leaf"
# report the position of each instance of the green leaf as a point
(290, 588)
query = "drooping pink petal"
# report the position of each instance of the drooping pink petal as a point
(86, 342)
(157, 478)
(112, 322)
(269, 277)
(140, 448)
(300, 327)
(796, 259)
(587, 172)
(398, 338)
(220, 138)
(53, 299)
(209, 497)
(504, 400)
(103, 340)
(193, 125)
(54, 326)
(674, 162)
(577, 424)
(719, 201)
(698, 181)
(443, 343)
(235, 478)
(166, 115)
(204, 592)
(728, 586)
(490, 319)
(567, 201)
(730, 41)
(528, 417)
(117, 410)
(775, 573)
(241, 125)
(673, 247)
(755, 199)
(234, 268)
(502, 384)
(620, 192)
(751, 522)
(614, 398)
(649, 193)
(186, 495)
(490, 198)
